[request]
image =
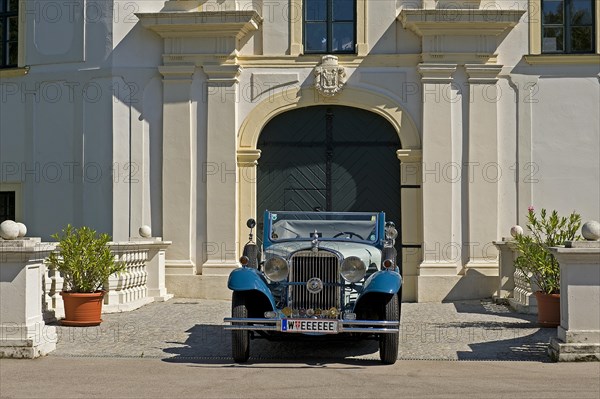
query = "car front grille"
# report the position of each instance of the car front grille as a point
(306, 265)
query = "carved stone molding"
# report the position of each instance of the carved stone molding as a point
(483, 74)
(248, 158)
(437, 73)
(409, 156)
(329, 76)
(177, 72)
(462, 22)
(222, 73)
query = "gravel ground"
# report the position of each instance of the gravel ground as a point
(191, 329)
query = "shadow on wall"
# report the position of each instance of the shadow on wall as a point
(473, 284)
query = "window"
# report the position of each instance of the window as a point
(330, 26)
(7, 205)
(568, 26)
(9, 33)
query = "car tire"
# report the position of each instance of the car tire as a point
(240, 339)
(388, 343)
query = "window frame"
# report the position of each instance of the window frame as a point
(296, 18)
(536, 32)
(5, 35)
(329, 31)
(567, 27)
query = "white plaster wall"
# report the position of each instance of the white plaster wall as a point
(275, 28)
(566, 145)
(515, 44)
(507, 153)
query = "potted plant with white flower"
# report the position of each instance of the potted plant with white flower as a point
(539, 265)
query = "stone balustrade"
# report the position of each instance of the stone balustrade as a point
(23, 332)
(514, 286)
(142, 282)
(30, 290)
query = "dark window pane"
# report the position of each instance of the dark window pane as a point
(13, 5)
(316, 10)
(316, 36)
(581, 39)
(553, 11)
(13, 28)
(552, 40)
(343, 10)
(7, 205)
(581, 12)
(343, 36)
(1, 31)
(13, 53)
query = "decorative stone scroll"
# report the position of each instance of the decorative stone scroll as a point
(329, 76)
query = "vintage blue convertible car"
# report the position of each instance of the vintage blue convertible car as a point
(322, 273)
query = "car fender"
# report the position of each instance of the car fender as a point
(382, 282)
(249, 279)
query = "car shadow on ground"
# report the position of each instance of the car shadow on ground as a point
(211, 344)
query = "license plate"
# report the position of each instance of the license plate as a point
(309, 326)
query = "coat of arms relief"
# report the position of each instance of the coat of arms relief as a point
(329, 76)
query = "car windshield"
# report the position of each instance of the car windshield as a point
(353, 226)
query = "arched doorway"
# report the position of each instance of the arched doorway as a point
(329, 157)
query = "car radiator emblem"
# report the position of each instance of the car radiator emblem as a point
(314, 285)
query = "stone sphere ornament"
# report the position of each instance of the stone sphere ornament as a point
(591, 230)
(145, 231)
(9, 230)
(516, 230)
(22, 229)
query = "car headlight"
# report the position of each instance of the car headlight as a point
(276, 269)
(353, 269)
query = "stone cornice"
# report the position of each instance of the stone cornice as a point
(483, 74)
(409, 155)
(201, 23)
(437, 73)
(248, 158)
(301, 61)
(462, 22)
(177, 72)
(13, 72)
(222, 73)
(563, 59)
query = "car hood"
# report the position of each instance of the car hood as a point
(367, 253)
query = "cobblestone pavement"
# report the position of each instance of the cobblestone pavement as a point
(191, 330)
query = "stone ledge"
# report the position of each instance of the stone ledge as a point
(563, 352)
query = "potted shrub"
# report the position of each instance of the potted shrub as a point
(85, 263)
(539, 265)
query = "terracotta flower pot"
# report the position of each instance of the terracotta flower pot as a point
(548, 309)
(82, 309)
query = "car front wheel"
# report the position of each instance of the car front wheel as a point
(240, 339)
(388, 343)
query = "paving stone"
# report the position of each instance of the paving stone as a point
(188, 329)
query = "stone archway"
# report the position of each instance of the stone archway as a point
(409, 154)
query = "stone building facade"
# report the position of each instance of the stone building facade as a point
(190, 116)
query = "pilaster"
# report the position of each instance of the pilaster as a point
(411, 201)
(441, 252)
(247, 160)
(221, 249)
(483, 170)
(179, 169)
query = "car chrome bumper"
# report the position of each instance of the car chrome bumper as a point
(344, 326)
